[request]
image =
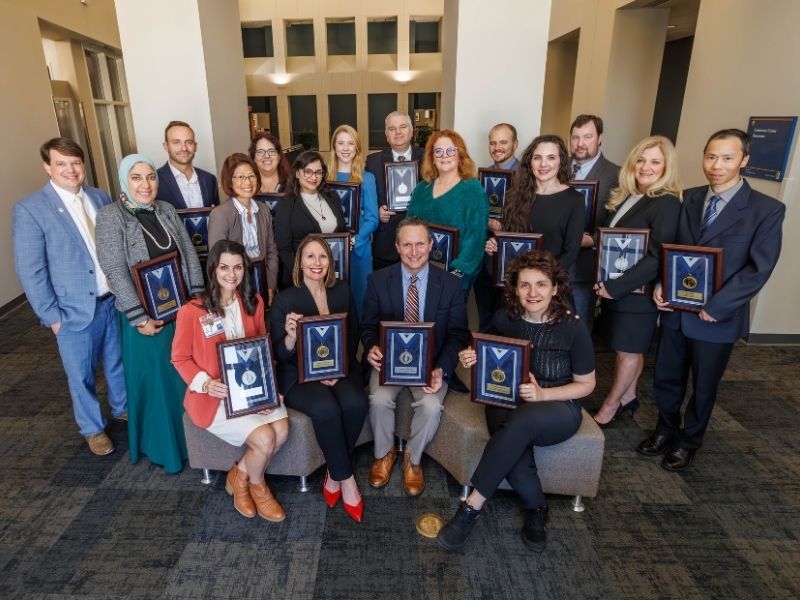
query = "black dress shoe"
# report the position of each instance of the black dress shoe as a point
(678, 459)
(656, 444)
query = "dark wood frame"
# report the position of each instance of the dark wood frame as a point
(302, 323)
(508, 174)
(524, 345)
(394, 165)
(594, 185)
(505, 236)
(345, 236)
(355, 210)
(716, 255)
(138, 275)
(270, 196)
(268, 369)
(186, 213)
(260, 265)
(453, 232)
(601, 231)
(428, 367)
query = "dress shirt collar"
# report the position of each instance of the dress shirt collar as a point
(725, 196)
(583, 172)
(406, 154)
(66, 196)
(177, 174)
(240, 208)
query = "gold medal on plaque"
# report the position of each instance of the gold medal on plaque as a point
(689, 282)
(494, 199)
(437, 254)
(197, 239)
(406, 358)
(498, 376)
(429, 524)
(163, 293)
(323, 351)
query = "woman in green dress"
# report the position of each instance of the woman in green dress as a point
(134, 230)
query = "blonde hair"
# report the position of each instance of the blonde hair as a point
(357, 170)
(668, 183)
(297, 270)
(466, 166)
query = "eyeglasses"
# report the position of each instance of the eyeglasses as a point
(309, 173)
(440, 152)
(261, 153)
(243, 178)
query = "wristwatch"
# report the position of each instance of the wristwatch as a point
(457, 272)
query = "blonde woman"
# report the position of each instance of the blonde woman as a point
(347, 164)
(648, 196)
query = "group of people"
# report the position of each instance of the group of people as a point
(74, 249)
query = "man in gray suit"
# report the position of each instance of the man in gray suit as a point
(588, 163)
(56, 263)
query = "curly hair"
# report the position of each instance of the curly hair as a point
(284, 170)
(544, 262)
(466, 166)
(212, 295)
(229, 168)
(357, 171)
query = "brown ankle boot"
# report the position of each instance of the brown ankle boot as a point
(267, 505)
(236, 485)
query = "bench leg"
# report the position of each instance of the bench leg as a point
(401, 445)
(577, 504)
(206, 479)
(304, 483)
(464, 493)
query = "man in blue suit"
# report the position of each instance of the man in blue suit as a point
(746, 224)
(180, 183)
(411, 291)
(56, 263)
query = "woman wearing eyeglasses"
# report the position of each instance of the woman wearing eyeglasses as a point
(274, 169)
(243, 220)
(450, 195)
(308, 208)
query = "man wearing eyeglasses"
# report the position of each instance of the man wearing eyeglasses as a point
(180, 183)
(399, 133)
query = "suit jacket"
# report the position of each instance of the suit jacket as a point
(168, 188)
(383, 238)
(193, 352)
(660, 216)
(606, 173)
(299, 300)
(749, 232)
(293, 222)
(225, 223)
(444, 306)
(52, 261)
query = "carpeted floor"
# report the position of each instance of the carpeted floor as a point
(73, 525)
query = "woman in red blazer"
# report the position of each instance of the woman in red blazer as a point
(229, 309)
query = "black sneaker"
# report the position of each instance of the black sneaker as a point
(455, 533)
(533, 532)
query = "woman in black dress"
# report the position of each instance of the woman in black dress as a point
(537, 308)
(648, 196)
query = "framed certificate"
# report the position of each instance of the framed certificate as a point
(349, 194)
(246, 368)
(339, 243)
(690, 275)
(271, 200)
(159, 284)
(587, 189)
(322, 347)
(445, 245)
(407, 353)
(496, 183)
(258, 276)
(401, 179)
(196, 222)
(509, 247)
(618, 249)
(502, 366)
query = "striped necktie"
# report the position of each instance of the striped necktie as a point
(575, 168)
(711, 212)
(412, 302)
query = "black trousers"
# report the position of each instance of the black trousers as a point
(488, 298)
(338, 413)
(676, 355)
(509, 453)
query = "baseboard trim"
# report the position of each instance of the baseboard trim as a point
(10, 307)
(773, 339)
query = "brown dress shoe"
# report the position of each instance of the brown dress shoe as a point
(381, 469)
(413, 477)
(100, 444)
(268, 507)
(236, 485)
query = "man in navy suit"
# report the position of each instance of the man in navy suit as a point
(56, 263)
(179, 182)
(399, 133)
(746, 224)
(411, 291)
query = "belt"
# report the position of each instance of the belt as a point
(105, 297)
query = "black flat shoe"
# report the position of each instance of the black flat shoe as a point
(678, 459)
(656, 444)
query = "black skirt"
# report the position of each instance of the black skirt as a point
(628, 331)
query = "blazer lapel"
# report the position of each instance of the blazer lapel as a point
(730, 215)
(396, 292)
(694, 213)
(169, 181)
(432, 293)
(61, 214)
(640, 205)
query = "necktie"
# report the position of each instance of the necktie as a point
(412, 302)
(575, 168)
(79, 202)
(401, 159)
(710, 215)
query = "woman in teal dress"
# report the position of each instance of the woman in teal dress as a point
(347, 164)
(134, 230)
(449, 194)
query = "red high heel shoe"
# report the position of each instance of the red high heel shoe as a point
(355, 511)
(331, 498)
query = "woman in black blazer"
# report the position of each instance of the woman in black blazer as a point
(648, 197)
(337, 407)
(307, 208)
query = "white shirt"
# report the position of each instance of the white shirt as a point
(583, 171)
(249, 228)
(68, 198)
(406, 155)
(190, 188)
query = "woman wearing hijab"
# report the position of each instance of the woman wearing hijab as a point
(134, 230)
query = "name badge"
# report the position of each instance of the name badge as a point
(212, 325)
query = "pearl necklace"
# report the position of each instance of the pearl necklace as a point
(150, 235)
